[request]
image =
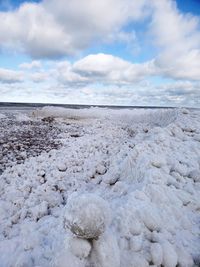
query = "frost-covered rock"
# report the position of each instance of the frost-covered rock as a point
(151, 218)
(156, 254)
(195, 175)
(184, 258)
(87, 216)
(185, 111)
(170, 258)
(67, 259)
(136, 243)
(197, 137)
(120, 188)
(62, 166)
(101, 169)
(111, 178)
(138, 261)
(158, 162)
(24, 260)
(40, 210)
(106, 251)
(135, 227)
(80, 247)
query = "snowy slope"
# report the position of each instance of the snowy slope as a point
(122, 189)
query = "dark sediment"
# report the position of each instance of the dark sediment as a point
(22, 139)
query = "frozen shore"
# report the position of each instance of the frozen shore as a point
(144, 164)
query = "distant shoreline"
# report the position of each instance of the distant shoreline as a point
(73, 106)
(13, 105)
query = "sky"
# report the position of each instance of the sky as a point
(108, 52)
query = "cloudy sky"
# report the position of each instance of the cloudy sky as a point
(117, 52)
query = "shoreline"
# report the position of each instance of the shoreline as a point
(79, 106)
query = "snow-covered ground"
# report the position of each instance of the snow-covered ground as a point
(100, 188)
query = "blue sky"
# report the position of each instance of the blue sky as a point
(118, 52)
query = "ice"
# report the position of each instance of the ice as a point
(87, 216)
(170, 258)
(156, 254)
(121, 190)
(151, 218)
(105, 251)
(136, 243)
(81, 248)
(67, 259)
(138, 261)
(39, 211)
(184, 258)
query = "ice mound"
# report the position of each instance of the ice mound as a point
(80, 247)
(87, 216)
(143, 165)
(130, 116)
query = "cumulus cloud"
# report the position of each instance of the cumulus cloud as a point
(65, 74)
(105, 69)
(10, 76)
(178, 37)
(140, 94)
(39, 77)
(57, 28)
(35, 64)
(51, 29)
(33, 30)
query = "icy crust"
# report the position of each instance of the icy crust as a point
(143, 174)
(87, 216)
(155, 117)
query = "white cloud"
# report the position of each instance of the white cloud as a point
(65, 74)
(106, 69)
(35, 64)
(52, 29)
(56, 28)
(39, 77)
(33, 30)
(178, 37)
(178, 94)
(10, 76)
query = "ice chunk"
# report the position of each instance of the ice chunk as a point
(135, 227)
(106, 251)
(67, 259)
(195, 175)
(170, 258)
(87, 216)
(62, 166)
(40, 210)
(120, 188)
(24, 260)
(111, 178)
(139, 261)
(156, 253)
(151, 218)
(79, 247)
(136, 243)
(101, 169)
(184, 258)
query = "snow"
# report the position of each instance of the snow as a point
(156, 254)
(170, 258)
(80, 247)
(87, 216)
(105, 252)
(100, 188)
